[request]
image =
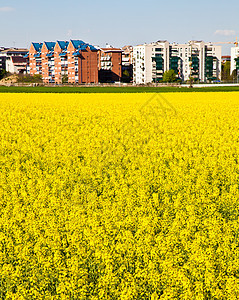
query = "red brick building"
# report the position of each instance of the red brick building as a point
(34, 57)
(61, 63)
(47, 61)
(74, 61)
(110, 64)
(82, 62)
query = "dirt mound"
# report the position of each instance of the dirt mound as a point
(9, 80)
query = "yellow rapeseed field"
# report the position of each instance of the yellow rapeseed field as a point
(119, 196)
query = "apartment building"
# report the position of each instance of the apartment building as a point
(9, 52)
(61, 62)
(235, 60)
(17, 65)
(110, 64)
(127, 63)
(213, 62)
(2, 59)
(199, 60)
(6, 55)
(74, 61)
(82, 62)
(47, 62)
(34, 59)
(150, 61)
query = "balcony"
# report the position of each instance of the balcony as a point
(104, 58)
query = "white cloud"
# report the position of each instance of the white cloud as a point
(225, 32)
(6, 9)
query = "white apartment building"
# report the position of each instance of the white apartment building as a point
(150, 61)
(213, 62)
(235, 59)
(197, 59)
(16, 64)
(187, 60)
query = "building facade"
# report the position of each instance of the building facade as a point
(150, 61)
(61, 62)
(58, 62)
(127, 64)
(6, 61)
(198, 60)
(235, 60)
(34, 59)
(110, 64)
(16, 65)
(82, 62)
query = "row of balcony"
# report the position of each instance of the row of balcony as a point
(104, 58)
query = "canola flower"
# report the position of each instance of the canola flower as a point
(104, 197)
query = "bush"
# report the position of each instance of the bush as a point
(26, 78)
(169, 76)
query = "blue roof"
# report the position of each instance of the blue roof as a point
(77, 43)
(80, 45)
(63, 53)
(37, 55)
(63, 44)
(83, 47)
(37, 46)
(92, 48)
(50, 54)
(26, 55)
(50, 45)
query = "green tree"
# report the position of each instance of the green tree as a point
(234, 75)
(226, 71)
(64, 78)
(27, 78)
(169, 76)
(2, 73)
(125, 76)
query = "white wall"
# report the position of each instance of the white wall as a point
(234, 54)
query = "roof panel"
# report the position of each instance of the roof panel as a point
(63, 44)
(77, 43)
(50, 45)
(37, 46)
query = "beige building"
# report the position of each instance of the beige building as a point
(6, 62)
(16, 64)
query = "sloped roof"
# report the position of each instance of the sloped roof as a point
(16, 50)
(63, 44)
(50, 45)
(37, 46)
(80, 45)
(77, 43)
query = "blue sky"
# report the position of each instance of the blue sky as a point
(118, 23)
